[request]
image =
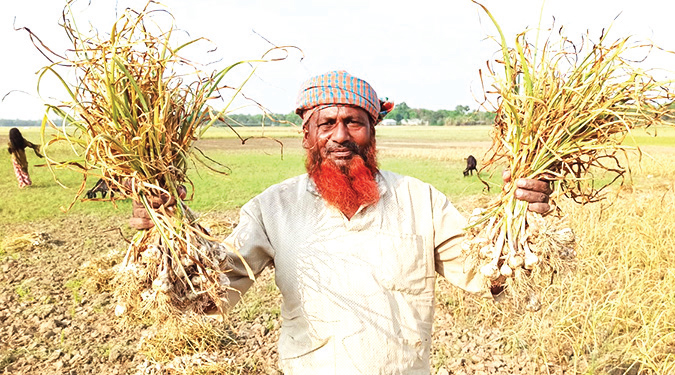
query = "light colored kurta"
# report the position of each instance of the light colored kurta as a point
(357, 294)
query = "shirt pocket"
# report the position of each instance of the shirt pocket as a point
(405, 263)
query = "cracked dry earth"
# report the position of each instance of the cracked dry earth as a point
(55, 319)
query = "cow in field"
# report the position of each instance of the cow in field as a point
(470, 166)
(100, 187)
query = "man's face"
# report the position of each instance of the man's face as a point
(339, 133)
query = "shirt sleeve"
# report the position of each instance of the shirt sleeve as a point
(249, 250)
(450, 261)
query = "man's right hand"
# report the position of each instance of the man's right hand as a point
(141, 220)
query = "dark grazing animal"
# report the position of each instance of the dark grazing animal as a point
(470, 166)
(100, 187)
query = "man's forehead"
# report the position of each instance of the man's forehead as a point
(341, 110)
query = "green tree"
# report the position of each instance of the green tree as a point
(461, 110)
(400, 112)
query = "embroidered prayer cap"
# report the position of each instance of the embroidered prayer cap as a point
(340, 87)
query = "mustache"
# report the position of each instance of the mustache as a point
(351, 146)
(317, 155)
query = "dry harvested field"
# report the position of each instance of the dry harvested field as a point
(613, 315)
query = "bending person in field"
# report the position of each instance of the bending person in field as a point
(355, 249)
(17, 149)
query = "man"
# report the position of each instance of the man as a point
(355, 248)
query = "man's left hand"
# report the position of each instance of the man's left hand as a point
(535, 192)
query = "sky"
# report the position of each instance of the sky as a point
(426, 53)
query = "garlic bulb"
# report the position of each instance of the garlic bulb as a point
(530, 259)
(515, 261)
(505, 270)
(490, 270)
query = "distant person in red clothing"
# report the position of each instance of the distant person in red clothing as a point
(17, 149)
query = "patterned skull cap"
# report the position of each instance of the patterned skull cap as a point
(340, 87)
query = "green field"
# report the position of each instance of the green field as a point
(433, 154)
(269, 157)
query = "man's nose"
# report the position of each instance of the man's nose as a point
(340, 133)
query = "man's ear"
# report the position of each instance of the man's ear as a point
(305, 136)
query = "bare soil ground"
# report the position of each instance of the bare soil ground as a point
(54, 319)
(57, 317)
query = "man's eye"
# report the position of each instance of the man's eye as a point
(354, 124)
(326, 125)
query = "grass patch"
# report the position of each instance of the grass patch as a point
(8, 357)
(23, 291)
(186, 335)
(259, 163)
(74, 285)
(262, 300)
(253, 167)
(660, 135)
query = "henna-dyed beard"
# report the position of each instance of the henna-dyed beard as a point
(346, 187)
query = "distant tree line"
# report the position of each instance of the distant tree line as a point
(19, 123)
(461, 115)
(402, 114)
(234, 120)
